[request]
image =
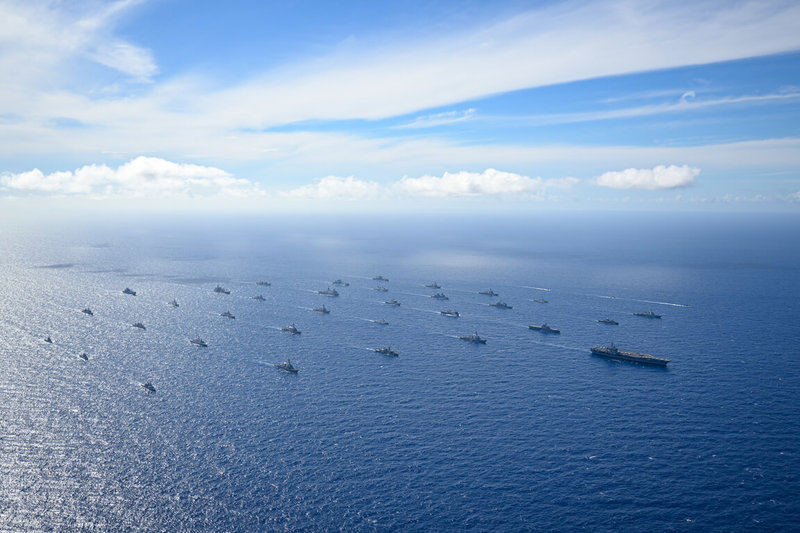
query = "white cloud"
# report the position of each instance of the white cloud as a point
(439, 119)
(132, 60)
(489, 182)
(660, 177)
(141, 177)
(337, 188)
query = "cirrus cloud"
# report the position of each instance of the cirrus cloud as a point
(650, 179)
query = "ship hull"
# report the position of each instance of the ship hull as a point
(630, 357)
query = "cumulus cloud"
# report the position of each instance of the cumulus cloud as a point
(140, 177)
(335, 187)
(490, 182)
(660, 177)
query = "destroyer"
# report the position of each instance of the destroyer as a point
(501, 305)
(291, 328)
(221, 290)
(48, 340)
(84, 356)
(227, 314)
(609, 321)
(129, 291)
(263, 283)
(612, 352)
(433, 285)
(324, 310)
(148, 387)
(489, 292)
(199, 342)
(473, 338)
(544, 328)
(647, 314)
(381, 321)
(259, 298)
(381, 288)
(440, 296)
(87, 311)
(139, 325)
(286, 366)
(379, 278)
(174, 303)
(341, 283)
(540, 300)
(329, 292)
(450, 312)
(386, 351)
(393, 303)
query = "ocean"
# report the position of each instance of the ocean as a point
(529, 432)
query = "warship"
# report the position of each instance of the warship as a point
(324, 310)
(609, 321)
(48, 340)
(379, 278)
(139, 325)
(129, 291)
(433, 285)
(221, 290)
(329, 292)
(148, 387)
(259, 298)
(291, 328)
(340, 283)
(544, 328)
(450, 312)
(199, 342)
(87, 311)
(227, 314)
(381, 321)
(84, 356)
(173, 303)
(286, 366)
(440, 296)
(612, 352)
(647, 314)
(263, 283)
(393, 303)
(501, 305)
(474, 337)
(540, 300)
(386, 351)
(381, 288)
(488, 292)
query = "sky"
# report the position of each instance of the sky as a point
(416, 105)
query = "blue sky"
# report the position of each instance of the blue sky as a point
(391, 105)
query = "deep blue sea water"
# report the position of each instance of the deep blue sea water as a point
(526, 433)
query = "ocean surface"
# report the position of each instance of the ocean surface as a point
(528, 432)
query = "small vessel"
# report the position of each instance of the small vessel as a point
(450, 312)
(87, 311)
(544, 328)
(286, 366)
(501, 305)
(381, 321)
(608, 321)
(386, 351)
(474, 337)
(148, 387)
(379, 278)
(647, 314)
(174, 303)
(199, 342)
(612, 352)
(381, 288)
(139, 325)
(129, 291)
(221, 290)
(291, 328)
(227, 314)
(329, 292)
(540, 300)
(48, 340)
(340, 283)
(440, 296)
(259, 298)
(488, 292)
(263, 283)
(324, 310)
(84, 356)
(393, 303)
(433, 285)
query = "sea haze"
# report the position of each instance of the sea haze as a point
(527, 432)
